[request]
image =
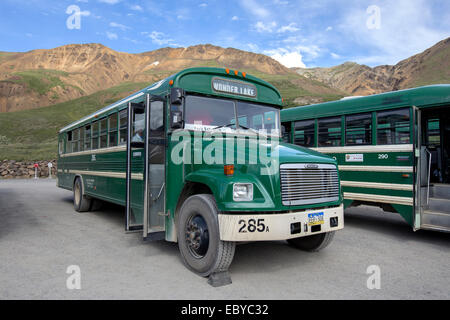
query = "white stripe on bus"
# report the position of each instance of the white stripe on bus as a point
(97, 151)
(109, 174)
(367, 149)
(378, 198)
(376, 168)
(375, 185)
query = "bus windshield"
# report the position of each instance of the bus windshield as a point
(204, 113)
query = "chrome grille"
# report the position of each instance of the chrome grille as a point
(308, 183)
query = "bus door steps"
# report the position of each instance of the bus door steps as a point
(436, 219)
(439, 205)
(440, 191)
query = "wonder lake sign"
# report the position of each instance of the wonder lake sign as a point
(234, 87)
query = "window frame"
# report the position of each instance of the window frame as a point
(113, 129)
(393, 130)
(366, 131)
(313, 131)
(338, 134)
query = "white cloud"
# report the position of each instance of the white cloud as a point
(111, 35)
(265, 27)
(118, 25)
(335, 55)
(289, 28)
(110, 1)
(203, 5)
(158, 38)
(253, 47)
(290, 59)
(280, 2)
(136, 8)
(405, 29)
(311, 51)
(329, 28)
(255, 8)
(235, 18)
(85, 1)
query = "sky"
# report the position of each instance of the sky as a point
(318, 33)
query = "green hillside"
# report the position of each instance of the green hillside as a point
(32, 134)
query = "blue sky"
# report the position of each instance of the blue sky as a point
(297, 33)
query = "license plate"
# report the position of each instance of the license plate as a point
(315, 218)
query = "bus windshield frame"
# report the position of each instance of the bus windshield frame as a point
(230, 115)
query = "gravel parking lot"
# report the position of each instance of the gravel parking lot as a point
(41, 235)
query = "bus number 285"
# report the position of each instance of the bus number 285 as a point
(252, 225)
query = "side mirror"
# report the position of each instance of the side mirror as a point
(176, 96)
(176, 107)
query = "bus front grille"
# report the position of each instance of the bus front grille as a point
(309, 183)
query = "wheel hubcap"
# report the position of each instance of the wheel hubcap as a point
(197, 236)
(77, 194)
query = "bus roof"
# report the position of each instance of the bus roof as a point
(421, 97)
(198, 80)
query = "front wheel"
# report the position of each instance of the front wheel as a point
(313, 243)
(198, 236)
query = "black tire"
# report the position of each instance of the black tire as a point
(213, 255)
(81, 203)
(96, 204)
(313, 243)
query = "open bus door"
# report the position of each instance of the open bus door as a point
(145, 175)
(433, 187)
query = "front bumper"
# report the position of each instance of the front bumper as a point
(268, 227)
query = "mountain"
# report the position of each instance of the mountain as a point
(45, 77)
(429, 67)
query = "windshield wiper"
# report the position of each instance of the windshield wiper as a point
(224, 126)
(251, 129)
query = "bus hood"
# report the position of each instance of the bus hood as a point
(290, 153)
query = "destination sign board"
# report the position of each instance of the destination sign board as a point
(234, 87)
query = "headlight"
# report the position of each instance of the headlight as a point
(243, 192)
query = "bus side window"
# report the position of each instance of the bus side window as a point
(329, 132)
(157, 116)
(69, 142)
(87, 137)
(75, 138)
(95, 135)
(393, 126)
(123, 124)
(358, 129)
(286, 132)
(103, 133)
(112, 130)
(60, 146)
(81, 140)
(304, 134)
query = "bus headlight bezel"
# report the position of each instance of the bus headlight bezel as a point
(242, 192)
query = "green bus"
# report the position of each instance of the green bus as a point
(178, 156)
(392, 150)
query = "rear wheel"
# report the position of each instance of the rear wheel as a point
(81, 203)
(313, 243)
(198, 236)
